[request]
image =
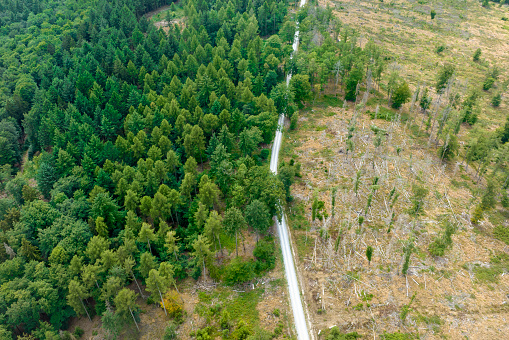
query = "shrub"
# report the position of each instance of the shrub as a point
(440, 49)
(238, 271)
(417, 200)
(488, 83)
(406, 309)
(265, 253)
(433, 14)
(335, 334)
(384, 114)
(496, 100)
(203, 334)
(242, 331)
(264, 154)
(477, 54)
(170, 332)
(398, 336)
(450, 147)
(293, 121)
(78, 332)
(477, 215)
(225, 322)
(505, 201)
(173, 304)
(443, 241)
(401, 95)
(501, 233)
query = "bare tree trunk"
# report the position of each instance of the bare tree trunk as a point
(134, 319)
(220, 248)
(162, 301)
(85, 308)
(175, 285)
(204, 273)
(434, 118)
(134, 277)
(244, 244)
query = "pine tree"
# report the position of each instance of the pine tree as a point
(201, 253)
(157, 283)
(369, 253)
(213, 227)
(170, 242)
(125, 301)
(75, 297)
(146, 234)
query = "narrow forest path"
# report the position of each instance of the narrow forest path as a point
(284, 239)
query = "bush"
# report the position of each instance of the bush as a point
(170, 332)
(398, 336)
(173, 304)
(384, 114)
(78, 332)
(203, 334)
(433, 14)
(505, 201)
(496, 100)
(238, 271)
(450, 148)
(442, 242)
(242, 331)
(477, 54)
(401, 95)
(265, 253)
(264, 154)
(335, 334)
(417, 200)
(293, 121)
(470, 117)
(440, 49)
(501, 233)
(477, 215)
(488, 83)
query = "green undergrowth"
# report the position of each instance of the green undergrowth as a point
(229, 314)
(304, 245)
(335, 334)
(399, 336)
(498, 264)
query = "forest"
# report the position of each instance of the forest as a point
(128, 153)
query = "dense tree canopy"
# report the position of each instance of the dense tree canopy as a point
(136, 140)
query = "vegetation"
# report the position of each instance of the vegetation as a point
(141, 149)
(442, 242)
(411, 171)
(136, 153)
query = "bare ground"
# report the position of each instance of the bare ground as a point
(450, 301)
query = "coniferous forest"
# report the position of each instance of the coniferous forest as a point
(126, 151)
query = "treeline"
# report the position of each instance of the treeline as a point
(145, 150)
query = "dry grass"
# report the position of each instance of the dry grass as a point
(450, 301)
(405, 30)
